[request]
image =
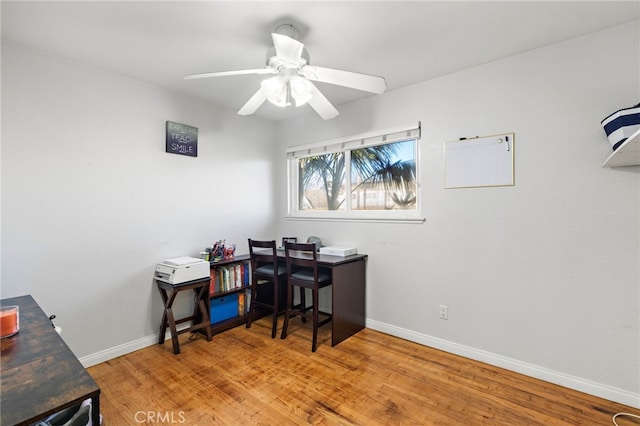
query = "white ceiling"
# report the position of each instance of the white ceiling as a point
(405, 42)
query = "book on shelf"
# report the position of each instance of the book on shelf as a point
(241, 304)
(215, 284)
(247, 300)
(225, 278)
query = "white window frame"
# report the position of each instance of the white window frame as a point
(396, 134)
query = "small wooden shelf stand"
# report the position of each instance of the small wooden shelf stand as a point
(199, 317)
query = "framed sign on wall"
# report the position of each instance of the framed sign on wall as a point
(181, 139)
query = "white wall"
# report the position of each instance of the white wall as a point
(542, 277)
(91, 200)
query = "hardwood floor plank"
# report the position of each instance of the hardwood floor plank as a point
(243, 377)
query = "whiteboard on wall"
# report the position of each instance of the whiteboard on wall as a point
(479, 161)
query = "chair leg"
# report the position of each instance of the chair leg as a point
(274, 326)
(248, 324)
(314, 295)
(303, 304)
(251, 308)
(285, 326)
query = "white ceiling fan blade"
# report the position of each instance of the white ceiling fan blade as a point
(287, 48)
(254, 103)
(322, 105)
(366, 82)
(227, 73)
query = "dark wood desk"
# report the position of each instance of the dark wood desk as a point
(348, 293)
(39, 375)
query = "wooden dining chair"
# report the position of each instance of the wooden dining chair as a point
(268, 281)
(303, 272)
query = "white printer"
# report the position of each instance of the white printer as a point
(182, 269)
(338, 251)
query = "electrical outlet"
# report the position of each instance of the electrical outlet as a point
(444, 312)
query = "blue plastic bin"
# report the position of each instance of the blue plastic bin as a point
(224, 307)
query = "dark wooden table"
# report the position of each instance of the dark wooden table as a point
(199, 318)
(39, 375)
(348, 293)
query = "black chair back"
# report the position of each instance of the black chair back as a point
(265, 260)
(301, 254)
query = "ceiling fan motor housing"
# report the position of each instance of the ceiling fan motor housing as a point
(288, 30)
(276, 62)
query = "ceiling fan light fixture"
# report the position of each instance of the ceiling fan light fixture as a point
(276, 89)
(279, 90)
(301, 90)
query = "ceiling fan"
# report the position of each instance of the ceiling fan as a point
(293, 76)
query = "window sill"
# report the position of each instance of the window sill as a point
(357, 219)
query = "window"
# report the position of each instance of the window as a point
(368, 177)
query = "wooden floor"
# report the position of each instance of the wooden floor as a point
(243, 377)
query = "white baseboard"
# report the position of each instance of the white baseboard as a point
(592, 388)
(125, 348)
(116, 351)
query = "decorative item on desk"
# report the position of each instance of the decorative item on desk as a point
(315, 240)
(621, 124)
(216, 251)
(229, 252)
(9, 321)
(221, 251)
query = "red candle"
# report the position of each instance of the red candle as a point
(9, 321)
